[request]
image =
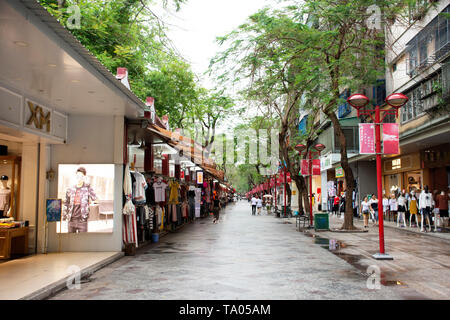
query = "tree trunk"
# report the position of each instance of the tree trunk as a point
(349, 178)
(298, 183)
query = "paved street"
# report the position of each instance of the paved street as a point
(255, 257)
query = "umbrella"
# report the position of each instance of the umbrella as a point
(268, 196)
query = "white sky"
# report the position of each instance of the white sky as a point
(195, 27)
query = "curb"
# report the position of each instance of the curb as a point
(428, 234)
(57, 286)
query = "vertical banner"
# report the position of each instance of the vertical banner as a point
(316, 167)
(288, 177)
(391, 138)
(304, 168)
(199, 177)
(366, 138)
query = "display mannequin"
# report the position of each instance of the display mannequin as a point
(425, 203)
(442, 200)
(401, 209)
(413, 209)
(5, 198)
(77, 203)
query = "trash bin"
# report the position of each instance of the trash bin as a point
(155, 237)
(321, 221)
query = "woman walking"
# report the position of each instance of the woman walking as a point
(374, 208)
(259, 205)
(216, 208)
(365, 207)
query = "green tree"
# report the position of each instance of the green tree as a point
(313, 49)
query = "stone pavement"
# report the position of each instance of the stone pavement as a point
(421, 260)
(244, 257)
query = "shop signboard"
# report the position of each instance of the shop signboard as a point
(366, 138)
(391, 138)
(304, 168)
(316, 167)
(199, 177)
(91, 185)
(339, 172)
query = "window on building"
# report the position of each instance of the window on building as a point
(442, 33)
(352, 138)
(379, 92)
(421, 98)
(389, 118)
(394, 67)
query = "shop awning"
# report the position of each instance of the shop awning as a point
(189, 147)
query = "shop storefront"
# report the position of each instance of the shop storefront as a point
(61, 124)
(437, 161)
(176, 183)
(404, 173)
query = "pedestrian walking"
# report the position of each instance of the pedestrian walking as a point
(336, 205)
(365, 207)
(259, 205)
(385, 206)
(401, 210)
(216, 208)
(374, 208)
(254, 201)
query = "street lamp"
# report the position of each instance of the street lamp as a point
(300, 148)
(395, 100)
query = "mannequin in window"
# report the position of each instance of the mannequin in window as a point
(77, 203)
(413, 209)
(425, 204)
(5, 198)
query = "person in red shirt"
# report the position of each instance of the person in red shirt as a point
(336, 205)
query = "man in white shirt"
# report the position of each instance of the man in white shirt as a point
(259, 205)
(254, 202)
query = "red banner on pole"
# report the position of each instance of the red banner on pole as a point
(316, 167)
(288, 177)
(391, 138)
(304, 168)
(366, 138)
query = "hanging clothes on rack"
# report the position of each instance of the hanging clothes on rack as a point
(129, 229)
(198, 200)
(139, 187)
(160, 190)
(191, 199)
(174, 192)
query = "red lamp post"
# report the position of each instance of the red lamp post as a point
(300, 148)
(395, 100)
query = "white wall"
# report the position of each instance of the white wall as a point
(91, 140)
(28, 192)
(397, 36)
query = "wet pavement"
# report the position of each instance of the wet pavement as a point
(249, 257)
